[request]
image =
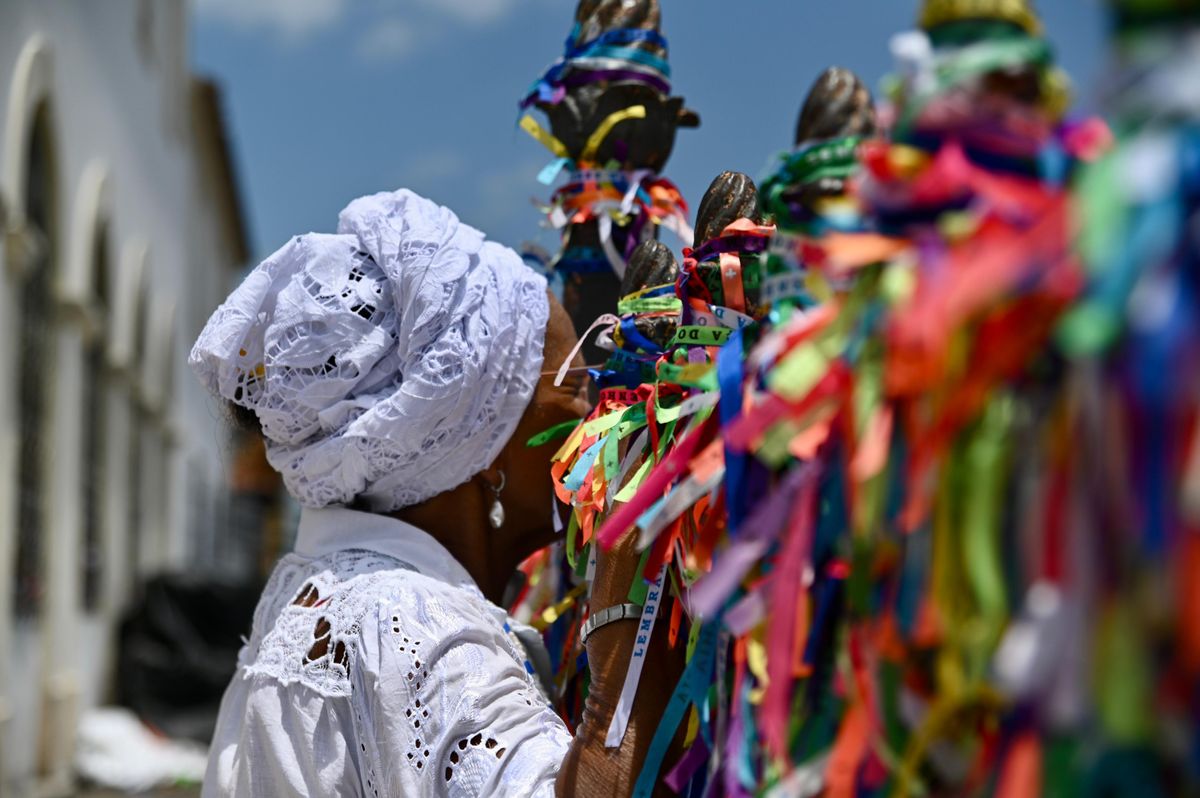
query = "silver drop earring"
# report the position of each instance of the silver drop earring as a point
(496, 514)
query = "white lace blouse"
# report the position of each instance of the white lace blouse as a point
(377, 668)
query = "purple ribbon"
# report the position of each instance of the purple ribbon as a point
(761, 528)
(586, 76)
(735, 243)
(687, 765)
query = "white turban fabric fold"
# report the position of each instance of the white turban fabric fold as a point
(387, 363)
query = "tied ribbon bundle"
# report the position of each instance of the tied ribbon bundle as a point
(636, 200)
(564, 572)
(922, 569)
(828, 234)
(939, 534)
(1134, 450)
(620, 55)
(657, 415)
(809, 164)
(857, 567)
(716, 288)
(874, 571)
(868, 590)
(943, 93)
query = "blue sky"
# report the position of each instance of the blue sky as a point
(331, 99)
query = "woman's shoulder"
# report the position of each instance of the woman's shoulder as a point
(322, 620)
(416, 619)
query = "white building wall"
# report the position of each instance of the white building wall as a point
(115, 74)
(8, 470)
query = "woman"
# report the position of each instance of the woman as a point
(395, 371)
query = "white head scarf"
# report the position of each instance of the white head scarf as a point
(387, 363)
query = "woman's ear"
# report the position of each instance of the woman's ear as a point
(494, 476)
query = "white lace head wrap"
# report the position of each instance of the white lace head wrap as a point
(387, 363)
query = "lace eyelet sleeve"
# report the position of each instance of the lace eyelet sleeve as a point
(453, 709)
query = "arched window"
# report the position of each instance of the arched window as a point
(95, 405)
(35, 348)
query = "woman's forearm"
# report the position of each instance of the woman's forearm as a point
(590, 768)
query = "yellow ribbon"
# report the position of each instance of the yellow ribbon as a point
(544, 137)
(552, 614)
(601, 133)
(756, 660)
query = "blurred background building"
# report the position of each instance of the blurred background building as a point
(121, 229)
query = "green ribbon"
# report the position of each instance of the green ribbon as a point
(832, 158)
(675, 375)
(690, 335)
(572, 531)
(654, 304)
(983, 497)
(557, 431)
(611, 455)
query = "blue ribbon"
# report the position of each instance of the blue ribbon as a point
(632, 54)
(574, 480)
(638, 366)
(729, 378)
(692, 685)
(616, 37)
(610, 44)
(629, 332)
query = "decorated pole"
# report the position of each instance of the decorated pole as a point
(612, 125)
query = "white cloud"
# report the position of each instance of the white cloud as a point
(481, 12)
(389, 36)
(434, 167)
(293, 19)
(476, 12)
(388, 40)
